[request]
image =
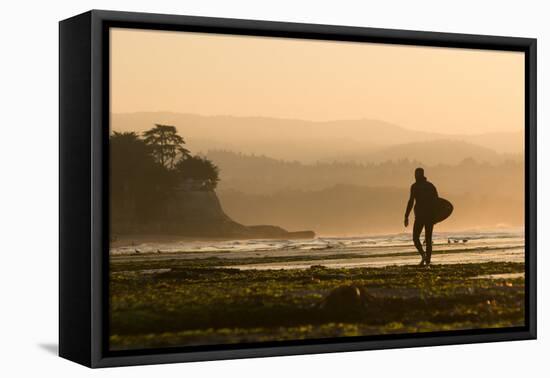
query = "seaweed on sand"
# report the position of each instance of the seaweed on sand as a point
(192, 303)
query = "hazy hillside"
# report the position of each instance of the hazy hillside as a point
(264, 175)
(351, 198)
(443, 151)
(355, 210)
(348, 177)
(508, 143)
(310, 141)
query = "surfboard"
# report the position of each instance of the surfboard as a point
(443, 210)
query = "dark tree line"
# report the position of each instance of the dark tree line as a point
(145, 170)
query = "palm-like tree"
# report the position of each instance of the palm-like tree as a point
(166, 145)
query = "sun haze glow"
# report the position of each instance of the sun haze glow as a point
(444, 90)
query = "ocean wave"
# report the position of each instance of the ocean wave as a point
(316, 244)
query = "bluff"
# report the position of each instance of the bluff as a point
(191, 211)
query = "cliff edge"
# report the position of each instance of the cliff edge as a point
(198, 213)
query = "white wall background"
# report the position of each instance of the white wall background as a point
(29, 186)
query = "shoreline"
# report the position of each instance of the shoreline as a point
(134, 241)
(273, 254)
(130, 240)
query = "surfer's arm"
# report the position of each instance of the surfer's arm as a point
(409, 205)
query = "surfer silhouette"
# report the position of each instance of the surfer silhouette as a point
(424, 198)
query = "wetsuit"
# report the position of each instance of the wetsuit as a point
(424, 196)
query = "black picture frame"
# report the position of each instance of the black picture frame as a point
(83, 180)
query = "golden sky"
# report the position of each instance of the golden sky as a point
(433, 89)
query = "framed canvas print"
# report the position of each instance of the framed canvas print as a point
(235, 188)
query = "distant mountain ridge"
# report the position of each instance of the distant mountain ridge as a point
(310, 141)
(443, 151)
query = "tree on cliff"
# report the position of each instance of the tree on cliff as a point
(135, 177)
(166, 145)
(145, 170)
(200, 169)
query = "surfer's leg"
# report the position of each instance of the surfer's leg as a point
(417, 230)
(428, 231)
